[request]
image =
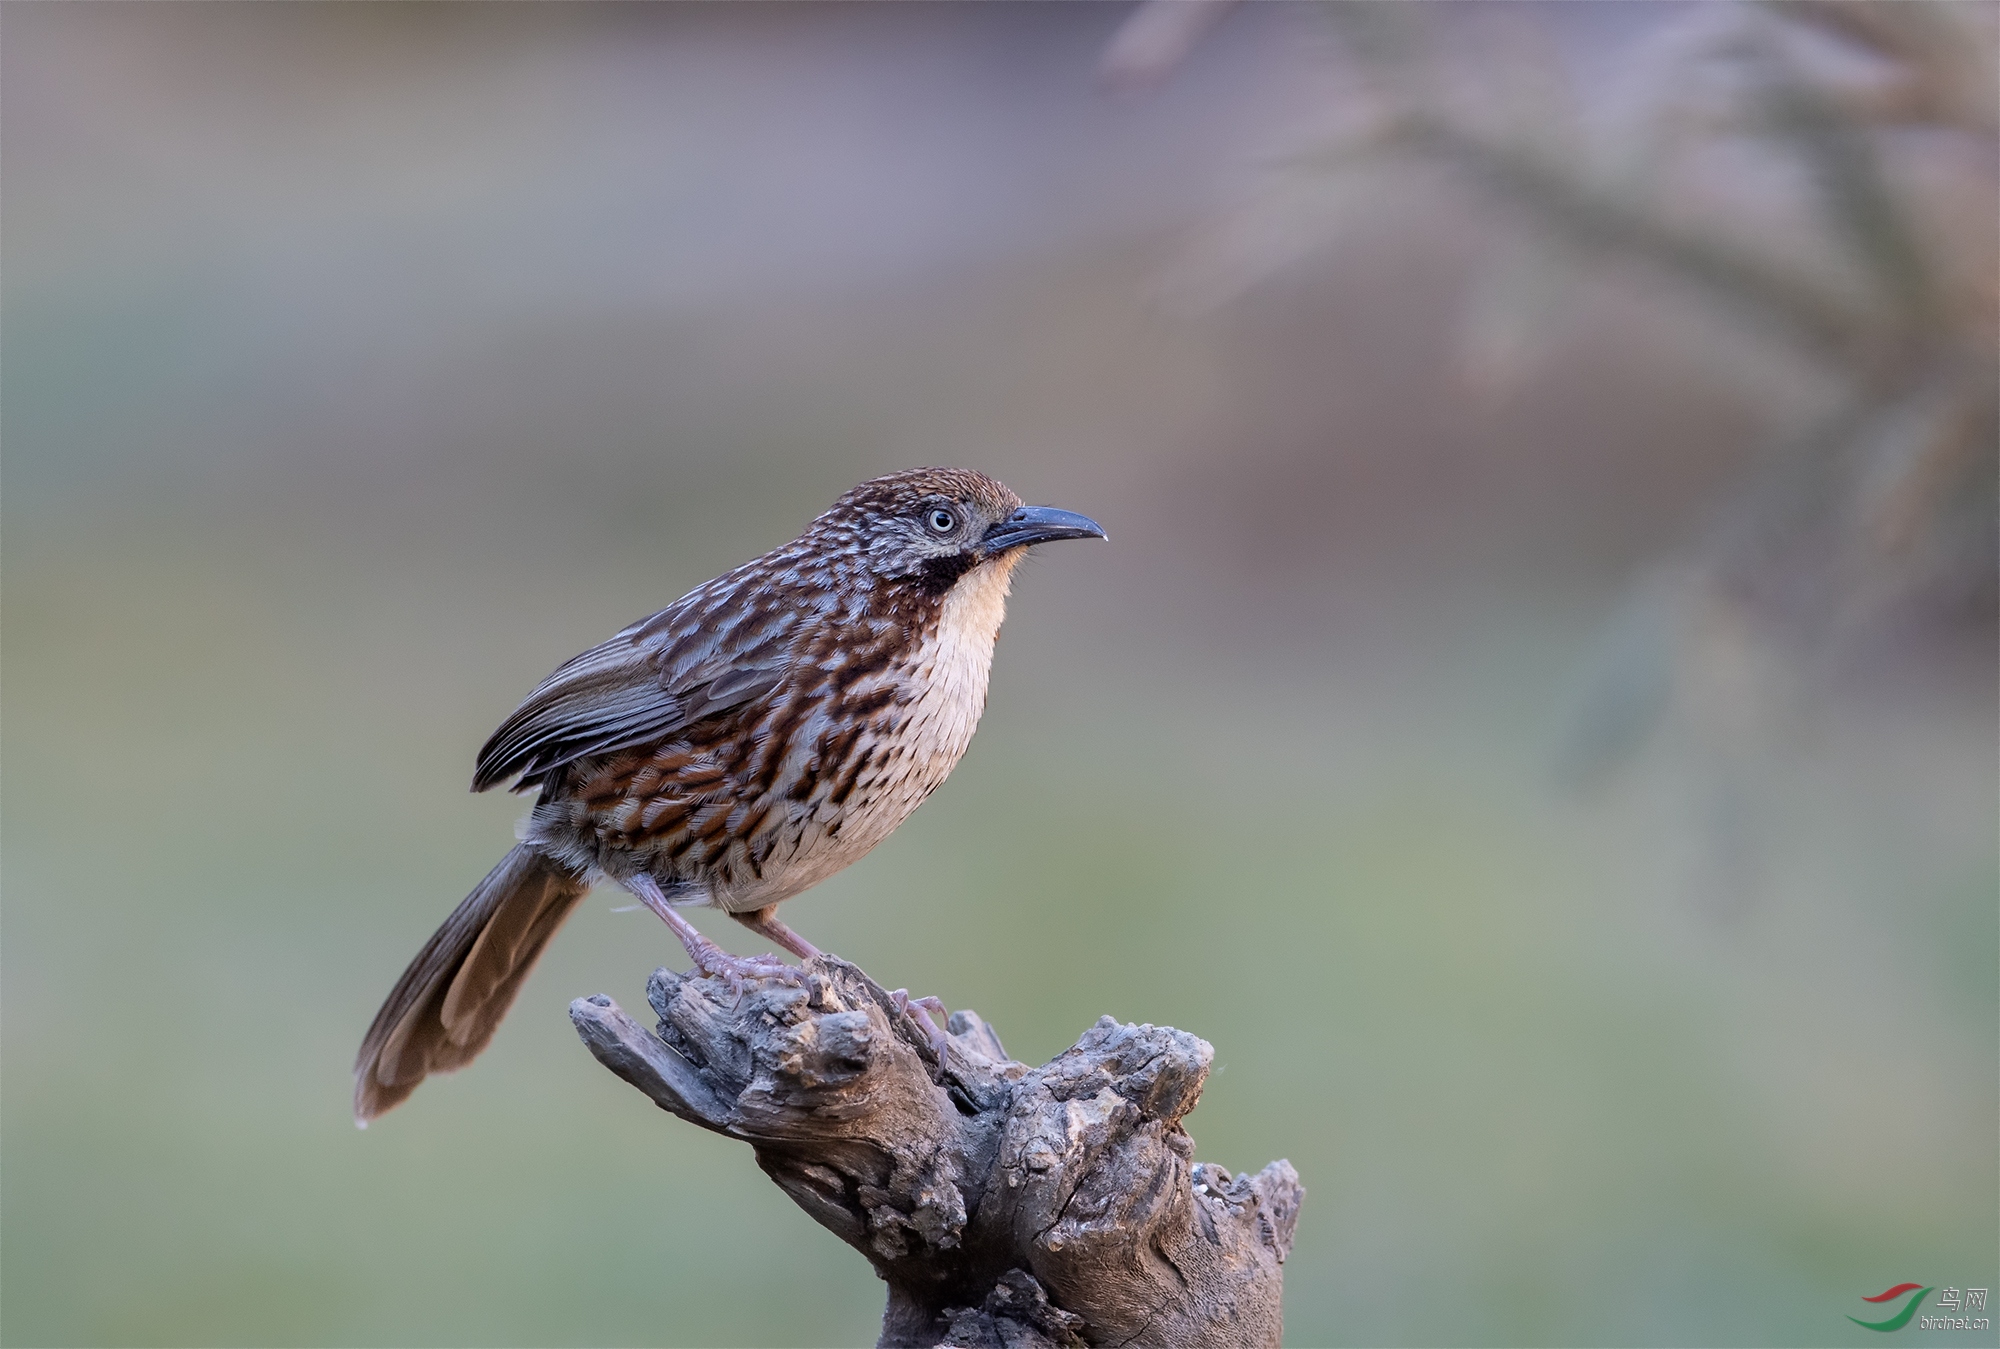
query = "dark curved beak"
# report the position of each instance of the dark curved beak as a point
(1038, 524)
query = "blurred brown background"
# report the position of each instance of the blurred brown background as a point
(1535, 715)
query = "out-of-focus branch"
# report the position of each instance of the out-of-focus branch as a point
(1760, 288)
(1155, 38)
(1945, 60)
(1868, 261)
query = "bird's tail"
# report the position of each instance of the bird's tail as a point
(450, 1000)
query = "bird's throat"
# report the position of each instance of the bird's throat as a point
(954, 659)
(976, 605)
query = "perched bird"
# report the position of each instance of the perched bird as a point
(746, 742)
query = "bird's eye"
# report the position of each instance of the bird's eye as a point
(941, 521)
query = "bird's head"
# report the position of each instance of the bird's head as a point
(927, 527)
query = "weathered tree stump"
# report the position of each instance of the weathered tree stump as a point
(1005, 1206)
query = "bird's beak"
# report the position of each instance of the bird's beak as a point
(1038, 524)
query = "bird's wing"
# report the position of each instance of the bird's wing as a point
(652, 679)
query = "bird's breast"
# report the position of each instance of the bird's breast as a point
(900, 732)
(754, 811)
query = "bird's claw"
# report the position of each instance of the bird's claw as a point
(922, 1011)
(738, 970)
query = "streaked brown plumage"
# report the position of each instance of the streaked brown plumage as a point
(759, 734)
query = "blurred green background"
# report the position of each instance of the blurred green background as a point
(1535, 715)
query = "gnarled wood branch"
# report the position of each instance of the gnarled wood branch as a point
(1005, 1206)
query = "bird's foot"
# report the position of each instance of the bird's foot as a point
(736, 971)
(709, 958)
(930, 1013)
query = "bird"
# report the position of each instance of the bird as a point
(751, 739)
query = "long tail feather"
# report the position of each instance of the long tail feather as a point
(451, 999)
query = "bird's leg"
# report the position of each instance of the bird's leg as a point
(764, 922)
(707, 956)
(930, 1013)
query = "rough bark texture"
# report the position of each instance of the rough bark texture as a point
(1005, 1206)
